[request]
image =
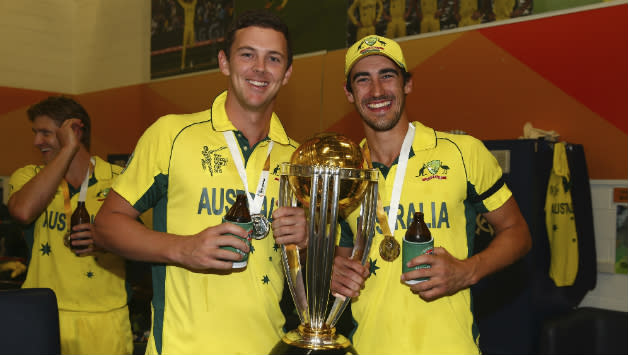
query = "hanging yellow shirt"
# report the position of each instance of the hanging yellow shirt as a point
(560, 221)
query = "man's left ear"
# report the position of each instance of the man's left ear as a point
(286, 75)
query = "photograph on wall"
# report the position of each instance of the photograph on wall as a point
(399, 18)
(313, 25)
(621, 250)
(186, 35)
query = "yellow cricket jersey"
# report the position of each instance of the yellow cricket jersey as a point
(90, 284)
(560, 222)
(429, 8)
(397, 9)
(370, 12)
(450, 178)
(183, 168)
(467, 9)
(503, 9)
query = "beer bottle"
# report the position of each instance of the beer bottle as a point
(417, 241)
(239, 214)
(417, 231)
(80, 216)
(239, 211)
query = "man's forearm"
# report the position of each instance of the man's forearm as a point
(117, 230)
(31, 200)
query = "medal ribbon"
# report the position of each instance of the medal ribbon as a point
(389, 226)
(255, 205)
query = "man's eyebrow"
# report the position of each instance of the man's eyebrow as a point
(249, 48)
(359, 74)
(380, 72)
(388, 70)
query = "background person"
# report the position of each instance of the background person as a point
(89, 285)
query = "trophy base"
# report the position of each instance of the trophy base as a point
(305, 340)
(286, 349)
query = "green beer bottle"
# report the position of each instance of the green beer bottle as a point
(417, 241)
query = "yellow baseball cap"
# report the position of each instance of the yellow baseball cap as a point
(371, 45)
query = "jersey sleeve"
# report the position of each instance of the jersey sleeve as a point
(486, 186)
(143, 182)
(20, 177)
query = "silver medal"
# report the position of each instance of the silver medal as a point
(261, 226)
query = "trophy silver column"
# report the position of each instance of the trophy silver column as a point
(327, 176)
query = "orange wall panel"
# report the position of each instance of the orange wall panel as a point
(488, 82)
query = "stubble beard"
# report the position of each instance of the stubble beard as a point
(383, 124)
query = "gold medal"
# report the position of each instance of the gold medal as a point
(389, 248)
(67, 240)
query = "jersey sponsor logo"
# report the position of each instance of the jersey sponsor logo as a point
(433, 167)
(436, 215)
(216, 201)
(212, 160)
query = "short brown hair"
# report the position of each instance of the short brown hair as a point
(61, 108)
(259, 18)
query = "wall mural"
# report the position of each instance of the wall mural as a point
(186, 35)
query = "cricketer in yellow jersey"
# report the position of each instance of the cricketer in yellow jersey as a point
(370, 11)
(451, 178)
(189, 10)
(89, 284)
(185, 167)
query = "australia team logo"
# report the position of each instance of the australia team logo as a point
(276, 172)
(434, 169)
(102, 194)
(213, 160)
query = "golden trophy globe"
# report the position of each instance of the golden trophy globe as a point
(328, 176)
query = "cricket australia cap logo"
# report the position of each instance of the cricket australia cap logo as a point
(371, 47)
(212, 160)
(431, 170)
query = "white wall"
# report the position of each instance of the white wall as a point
(74, 46)
(611, 291)
(36, 44)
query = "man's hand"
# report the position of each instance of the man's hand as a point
(70, 133)
(348, 277)
(290, 226)
(447, 274)
(81, 236)
(203, 250)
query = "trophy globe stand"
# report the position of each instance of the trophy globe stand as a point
(327, 175)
